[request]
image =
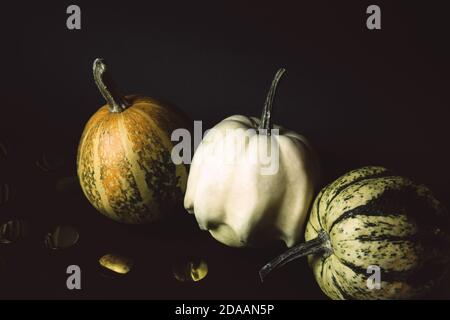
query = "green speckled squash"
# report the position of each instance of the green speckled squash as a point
(370, 217)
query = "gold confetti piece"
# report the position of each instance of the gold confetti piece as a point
(190, 271)
(62, 237)
(116, 263)
(13, 230)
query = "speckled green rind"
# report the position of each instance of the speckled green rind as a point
(374, 217)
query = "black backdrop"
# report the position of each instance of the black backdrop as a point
(362, 97)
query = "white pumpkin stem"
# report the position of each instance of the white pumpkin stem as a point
(266, 118)
(115, 100)
(320, 244)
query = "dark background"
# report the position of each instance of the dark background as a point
(362, 97)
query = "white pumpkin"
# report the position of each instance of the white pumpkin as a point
(237, 195)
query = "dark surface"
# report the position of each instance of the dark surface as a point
(362, 97)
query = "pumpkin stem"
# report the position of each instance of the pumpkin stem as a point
(116, 101)
(320, 244)
(266, 118)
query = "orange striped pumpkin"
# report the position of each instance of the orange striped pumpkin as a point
(124, 158)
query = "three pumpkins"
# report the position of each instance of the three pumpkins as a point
(124, 157)
(368, 217)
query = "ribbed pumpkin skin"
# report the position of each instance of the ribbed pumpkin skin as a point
(124, 161)
(376, 218)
